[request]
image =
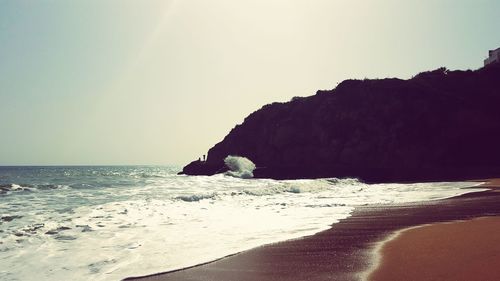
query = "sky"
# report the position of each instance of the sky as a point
(110, 82)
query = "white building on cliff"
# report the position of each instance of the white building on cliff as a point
(494, 57)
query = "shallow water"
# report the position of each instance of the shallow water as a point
(107, 223)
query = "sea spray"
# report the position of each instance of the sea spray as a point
(239, 167)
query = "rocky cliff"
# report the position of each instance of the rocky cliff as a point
(438, 125)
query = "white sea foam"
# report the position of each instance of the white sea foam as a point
(166, 221)
(240, 167)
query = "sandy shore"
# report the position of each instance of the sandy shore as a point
(459, 251)
(344, 252)
(456, 250)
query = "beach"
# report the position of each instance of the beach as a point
(460, 251)
(350, 250)
(453, 250)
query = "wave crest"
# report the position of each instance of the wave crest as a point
(240, 167)
(195, 197)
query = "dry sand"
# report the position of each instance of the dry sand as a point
(459, 251)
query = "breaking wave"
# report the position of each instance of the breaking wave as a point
(155, 220)
(195, 197)
(239, 167)
(11, 188)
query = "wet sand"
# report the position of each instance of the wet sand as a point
(459, 251)
(344, 252)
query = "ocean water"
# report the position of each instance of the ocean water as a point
(107, 223)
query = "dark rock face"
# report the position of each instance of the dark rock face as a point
(439, 125)
(201, 168)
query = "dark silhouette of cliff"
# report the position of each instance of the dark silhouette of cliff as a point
(438, 125)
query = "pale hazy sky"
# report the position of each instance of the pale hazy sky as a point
(160, 82)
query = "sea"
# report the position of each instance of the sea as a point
(112, 222)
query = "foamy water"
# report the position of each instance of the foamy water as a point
(107, 223)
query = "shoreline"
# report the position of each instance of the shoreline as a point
(404, 253)
(472, 254)
(343, 252)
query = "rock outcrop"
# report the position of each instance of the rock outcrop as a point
(438, 125)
